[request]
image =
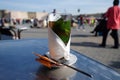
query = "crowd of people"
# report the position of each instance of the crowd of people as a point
(12, 22)
(109, 22)
(7, 25)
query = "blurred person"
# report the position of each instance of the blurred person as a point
(5, 33)
(0, 22)
(95, 22)
(100, 27)
(113, 24)
(35, 22)
(81, 22)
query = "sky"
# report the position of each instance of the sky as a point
(62, 6)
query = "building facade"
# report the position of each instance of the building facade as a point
(22, 14)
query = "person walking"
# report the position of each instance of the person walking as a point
(100, 27)
(81, 23)
(113, 24)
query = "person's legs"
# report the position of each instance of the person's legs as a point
(78, 24)
(105, 34)
(95, 30)
(83, 27)
(114, 35)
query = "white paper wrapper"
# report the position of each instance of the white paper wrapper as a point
(57, 48)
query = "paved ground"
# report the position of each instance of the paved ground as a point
(85, 43)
